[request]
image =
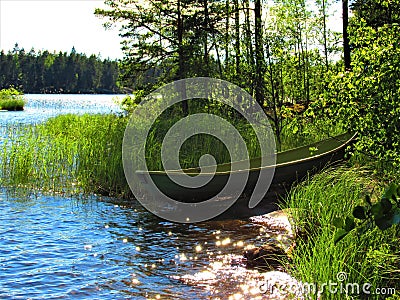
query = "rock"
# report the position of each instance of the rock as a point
(268, 256)
(279, 220)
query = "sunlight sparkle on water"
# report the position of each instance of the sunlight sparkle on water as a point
(249, 247)
(240, 244)
(236, 297)
(226, 241)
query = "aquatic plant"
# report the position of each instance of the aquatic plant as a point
(67, 154)
(11, 99)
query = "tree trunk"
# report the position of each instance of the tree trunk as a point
(249, 46)
(181, 58)
(325, 33)
(259, 52)
(346, 43)
(206, 30)
(237, 39)
(228, 15)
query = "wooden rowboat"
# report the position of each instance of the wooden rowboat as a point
(291, 166)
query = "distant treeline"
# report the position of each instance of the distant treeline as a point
(45, 72)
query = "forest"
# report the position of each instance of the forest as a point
(282, 52)
(45, 72)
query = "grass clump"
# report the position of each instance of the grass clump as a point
(371, 258)
(11, 99)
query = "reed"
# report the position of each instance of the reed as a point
(369, 258)
(303, 131)
(66, 154)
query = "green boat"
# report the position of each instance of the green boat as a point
(291, 167)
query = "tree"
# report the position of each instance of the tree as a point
(38, 72)
(172, 37)
(366, 99)
(377, 12)
(346, 42)
(258, 41)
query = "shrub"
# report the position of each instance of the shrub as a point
(366, 98)
(11, 99)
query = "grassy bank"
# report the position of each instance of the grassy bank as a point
(373, 257)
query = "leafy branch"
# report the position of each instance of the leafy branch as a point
(383, 214)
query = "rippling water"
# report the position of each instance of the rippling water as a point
(95, 247)
(58, 247)
(40, 107)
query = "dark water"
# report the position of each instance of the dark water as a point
(58, 247)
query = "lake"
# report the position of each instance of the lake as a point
(58, 247)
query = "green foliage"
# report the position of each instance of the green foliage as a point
(11, 99)
(373, 257)
(129, 102)
(277, 63)
(366, 99)
(383, 214)
(163, 40)
(377, 12)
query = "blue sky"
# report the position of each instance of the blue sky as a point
(57, 25)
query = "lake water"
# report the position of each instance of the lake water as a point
(55, 247)
(40, 107)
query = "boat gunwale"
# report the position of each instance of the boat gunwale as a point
(311, 158)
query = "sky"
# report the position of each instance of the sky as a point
(57, 25)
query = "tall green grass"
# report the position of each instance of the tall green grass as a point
(67, 154)
(302, 131)
(372, 258)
